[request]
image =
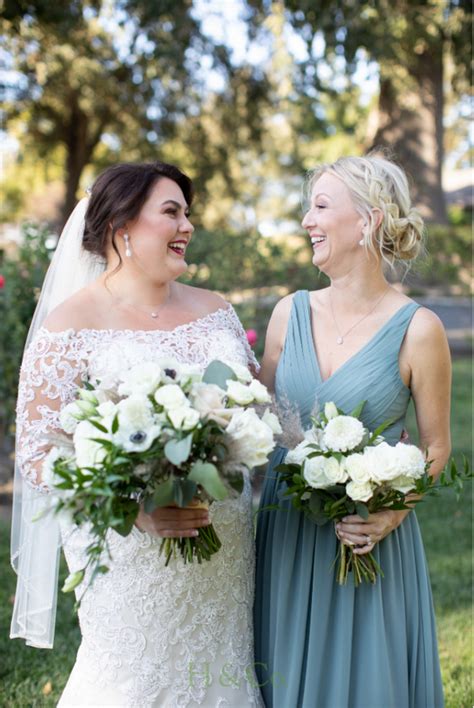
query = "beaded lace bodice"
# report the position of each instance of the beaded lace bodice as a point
(151, 635)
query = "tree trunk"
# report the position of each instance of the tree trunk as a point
(410, 117)
(80, 144)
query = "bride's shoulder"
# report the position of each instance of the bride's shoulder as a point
(80, 311)
(203, 301)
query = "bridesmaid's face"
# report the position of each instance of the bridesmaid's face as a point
(334, 226)
(161, 233)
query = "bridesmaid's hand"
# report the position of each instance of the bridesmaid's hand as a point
(363, 534)
(172, 521)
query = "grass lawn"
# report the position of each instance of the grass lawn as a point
(35, 677)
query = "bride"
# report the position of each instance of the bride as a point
(151, 635)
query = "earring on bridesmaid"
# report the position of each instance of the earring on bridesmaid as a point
(128, 250)
(364, 234)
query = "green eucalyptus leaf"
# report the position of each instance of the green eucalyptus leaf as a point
(178, 451)
(163, 494)
(207, 475)
(184, 491)
(218, 373)
(362, 510)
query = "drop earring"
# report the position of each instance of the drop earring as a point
(128, 250)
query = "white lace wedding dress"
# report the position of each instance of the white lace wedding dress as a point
(151, 635)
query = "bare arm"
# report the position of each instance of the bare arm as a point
(426, 353)
(274, 341)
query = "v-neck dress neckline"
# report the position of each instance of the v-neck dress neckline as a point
(370, 343)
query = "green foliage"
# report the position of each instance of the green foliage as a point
(447, 262)
(23, 276)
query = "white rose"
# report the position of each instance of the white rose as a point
(272, 421)
(260, 392)
(403, 484)
(184, 418)
(242, 373)
(69, 417)
(359, 491)
(210, 400)
(382, 462)
(171, 396)
(239, 393)
(142, 379)
(207, 397)
(88, 452)
(330, 410)
(411, 461)
(335, 471)
(135, 412)
(357, 467)
(314, 472)
(343, 433)
(321, 472)
(299, 454)
(250, 440)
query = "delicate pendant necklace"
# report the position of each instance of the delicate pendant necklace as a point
(155, 313)
(341, 337)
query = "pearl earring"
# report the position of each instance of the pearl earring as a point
(128, 250)
(361, 242)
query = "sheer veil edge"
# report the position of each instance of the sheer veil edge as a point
(35, 545)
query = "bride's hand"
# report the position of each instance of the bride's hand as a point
(172, 522)
(363, 534)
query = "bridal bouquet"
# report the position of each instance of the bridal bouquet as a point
(163, 435)
(342, 468)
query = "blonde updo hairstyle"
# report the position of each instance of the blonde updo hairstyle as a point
(376, 182)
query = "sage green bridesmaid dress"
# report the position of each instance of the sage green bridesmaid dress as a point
(318, 644)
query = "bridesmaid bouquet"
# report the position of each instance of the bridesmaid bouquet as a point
(164, 434)
(342, 468)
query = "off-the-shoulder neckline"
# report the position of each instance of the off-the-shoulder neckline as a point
(225, 310)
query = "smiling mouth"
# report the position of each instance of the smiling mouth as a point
(316, 240)
(178, 247)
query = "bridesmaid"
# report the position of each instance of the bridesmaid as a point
(318, 644)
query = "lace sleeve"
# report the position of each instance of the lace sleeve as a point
(239, 331)
(53, 366)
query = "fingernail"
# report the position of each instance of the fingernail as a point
(195, 533)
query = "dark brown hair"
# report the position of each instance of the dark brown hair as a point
(118, 195)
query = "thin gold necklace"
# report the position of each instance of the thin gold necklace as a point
(341, 337)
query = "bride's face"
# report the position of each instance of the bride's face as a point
(159, 237)
(334, 226)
